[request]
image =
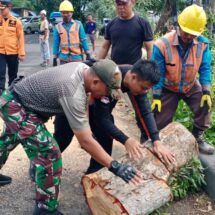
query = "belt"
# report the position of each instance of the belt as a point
(42, 116)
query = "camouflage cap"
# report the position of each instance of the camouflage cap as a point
(110, 74)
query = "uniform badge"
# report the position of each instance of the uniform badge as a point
(12, 23)
(105, 100)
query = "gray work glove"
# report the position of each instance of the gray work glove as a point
(124, 171)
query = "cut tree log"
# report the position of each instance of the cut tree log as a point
(107, 194)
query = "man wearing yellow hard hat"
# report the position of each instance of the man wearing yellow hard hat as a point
(69, 37)
(184, 58)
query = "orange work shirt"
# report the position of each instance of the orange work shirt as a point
(11, 36)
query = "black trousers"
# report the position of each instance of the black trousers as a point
(12, 62)
(63, 135)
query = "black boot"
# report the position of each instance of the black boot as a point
(42, 211)
(5, 180)
(32, 171)
(204, 147)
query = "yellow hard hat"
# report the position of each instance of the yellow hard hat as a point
(66, 6)
(192, 20)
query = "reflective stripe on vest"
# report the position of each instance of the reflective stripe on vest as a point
(198, 50)
(180, 72)
(168, 48)
(71, 44)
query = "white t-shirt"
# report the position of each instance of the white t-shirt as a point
(43, 26)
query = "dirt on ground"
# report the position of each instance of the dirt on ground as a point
(18, 198)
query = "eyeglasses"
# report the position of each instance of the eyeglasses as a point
(121, 2)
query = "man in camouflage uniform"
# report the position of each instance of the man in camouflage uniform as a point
(30, 102)
(24, 126)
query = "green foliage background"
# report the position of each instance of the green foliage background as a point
(189, 179)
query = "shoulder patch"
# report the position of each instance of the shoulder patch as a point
(105, 100)
(12, 23)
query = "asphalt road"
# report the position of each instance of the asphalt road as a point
(33, 59)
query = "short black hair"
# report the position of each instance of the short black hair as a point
(147, 70)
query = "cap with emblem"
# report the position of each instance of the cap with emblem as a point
(110, 74)
(5, 3)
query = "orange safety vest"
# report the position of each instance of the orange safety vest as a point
(71, 44)
(180, 74)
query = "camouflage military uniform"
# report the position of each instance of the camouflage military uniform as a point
(25, 127)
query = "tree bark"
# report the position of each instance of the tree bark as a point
(107, 194)
(166, 13)
(211, 9)
(198, 2)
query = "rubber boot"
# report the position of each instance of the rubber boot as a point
(204, 147)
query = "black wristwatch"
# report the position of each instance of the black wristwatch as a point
(114, 166)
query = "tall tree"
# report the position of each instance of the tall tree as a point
(101, 9)
(22, 3)
(168, 11)
(211, 16)
(53, 5)
(199, 2)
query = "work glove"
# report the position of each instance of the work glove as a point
(156, 104)
(124, 171)
(206, 100)
(54, 61)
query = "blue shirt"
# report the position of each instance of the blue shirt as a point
(90, 27)
(56, 41)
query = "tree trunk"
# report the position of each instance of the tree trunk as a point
(107, 194)
(198, 2)
(211, 9)
(168, 11)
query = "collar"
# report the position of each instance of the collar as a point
(176, 41)
(7, 17)
(131, 17)
(72, 21)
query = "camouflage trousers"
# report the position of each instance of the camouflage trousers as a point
(25, 127)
